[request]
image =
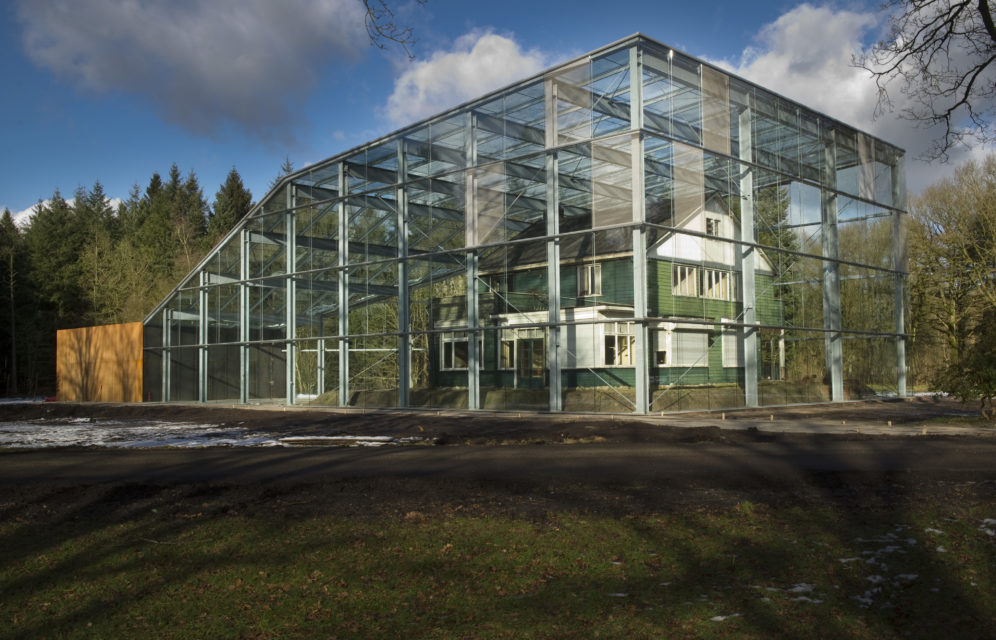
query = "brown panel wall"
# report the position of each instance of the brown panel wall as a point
(100, 364)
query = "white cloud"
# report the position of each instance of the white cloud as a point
(204, 64)
(23, 217)
(478, 62)
(806, 55)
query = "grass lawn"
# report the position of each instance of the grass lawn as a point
(189, 562)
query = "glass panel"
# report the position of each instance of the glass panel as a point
(437, 289)
(867, 299)
(598, 363)
(373, 372)
(610, 93)
(373, 227)
(183, 376)
(223, 313)
(689, 369)
(792, 367)
(512, 284)
(574, 186)
(267, 246)
(611, 181)
(510, 200)
(595, 184)
(317, 368)
(436, 214)
(658, 180)
(373, 298)
(867, 241)
(309, 368)
(573, 104)
(776, 133)
(848, 177)
(870, 369)
(812, 152)
(152, 375)
(320, 184)
(268, 372)
(267, 315)
(672, 99)
(226, 263)
(276, 201)
(317, 237)
(183, 316)
(373, 168)
(715, 110)
(448, 145)
(317, 300)
(223, 368)
(416, 149)
(432, 384)
(514, 369)
(511, 125)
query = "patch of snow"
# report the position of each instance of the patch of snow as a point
(875, 579)
(41, 434)
(932, 530)
(141, 434)
(618, 595)
(722, 618)
(988, 527)
(807, 599)
(941, 550)
(846, 560)
(802, 587)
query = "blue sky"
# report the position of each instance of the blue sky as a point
(112, 91)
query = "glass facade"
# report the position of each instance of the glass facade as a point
(631, 232)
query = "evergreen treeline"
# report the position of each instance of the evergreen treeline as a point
(83, 263)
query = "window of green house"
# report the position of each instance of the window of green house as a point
(620, 343)
(590, 280)
(685, 280)
(454, 351)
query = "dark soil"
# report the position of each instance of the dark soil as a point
(428, 497)
(490, 428)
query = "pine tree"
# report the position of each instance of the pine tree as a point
(10, 254)
(286, 168)
(231, 204)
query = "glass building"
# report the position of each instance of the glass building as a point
(632, 231)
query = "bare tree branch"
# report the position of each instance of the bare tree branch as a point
(941, 54)
(382, 28)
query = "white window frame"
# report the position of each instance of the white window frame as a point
(449, 348)
(685, 280)
(717, 285)
(680, 351)
(506, 360)
(732, 354)
(619, 345)
(714, 226)
(589, 280)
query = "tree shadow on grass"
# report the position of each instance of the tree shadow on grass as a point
(767, 551)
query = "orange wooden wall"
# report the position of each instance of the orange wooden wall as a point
(101, 364)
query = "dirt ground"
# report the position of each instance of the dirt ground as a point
(430, 497)
(489, 428)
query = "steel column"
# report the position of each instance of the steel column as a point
(831, 275)
(747, 254)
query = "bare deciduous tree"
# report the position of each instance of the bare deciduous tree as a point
(381, 26)
(940, 54)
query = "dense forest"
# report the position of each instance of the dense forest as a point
(79, 262)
